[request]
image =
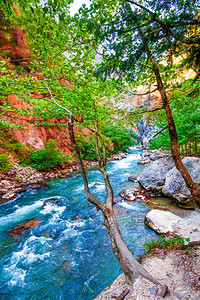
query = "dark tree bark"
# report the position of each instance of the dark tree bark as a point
(195, 145)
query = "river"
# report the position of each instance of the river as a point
(68, 255)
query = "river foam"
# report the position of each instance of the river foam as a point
(20, 215)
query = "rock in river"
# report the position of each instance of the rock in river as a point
(52, 201)
(9, 196)
(175, 186)
(21, 228)
(129, 194)
(152, 178)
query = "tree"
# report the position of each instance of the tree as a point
(131, 38)
(185, 107)
(136, 41)
(44, 87)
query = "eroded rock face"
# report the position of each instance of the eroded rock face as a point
(175, 186)
(145, 132)
(152, 178)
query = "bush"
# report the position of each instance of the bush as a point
(115, 135)
(169, 243)
(5, 165)
(10, 144)
(86, 149)
(47, 158)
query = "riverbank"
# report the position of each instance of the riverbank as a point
(67, 253)
(20, 179)
(178, 269)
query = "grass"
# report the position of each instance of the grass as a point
(167, 243)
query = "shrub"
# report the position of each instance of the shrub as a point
(47, 158)
(5, 165)
(169, 243)
(115, 135)
(86, 149)
(10, 144)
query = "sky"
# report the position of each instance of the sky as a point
(74, 7)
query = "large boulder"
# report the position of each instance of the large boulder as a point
(152, 178)
(175, 186)
(165, 222)
(161, 221)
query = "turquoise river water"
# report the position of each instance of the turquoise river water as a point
(68, 255)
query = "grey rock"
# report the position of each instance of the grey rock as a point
(153, 290)
(133, 178)
(175, 186)
(156, 156)
(165, 222)
(146, 153)
(144, 162)
(129, 194)
(52, 201)
(9, 196)
(161, 221)
(146, 130)
(153, 176)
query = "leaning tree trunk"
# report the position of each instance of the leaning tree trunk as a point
(174, 138)
(131, 268)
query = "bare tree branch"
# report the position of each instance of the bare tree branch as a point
(160, 131)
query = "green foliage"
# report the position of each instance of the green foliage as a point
(17, 179)
(134, 135)
(11, 145)
(87, 150)
(161, 142)
(5, 165)
(119, 135)
(115, 135)
(87, 147)
(47, 158)
(186, 113)
(169, 243)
